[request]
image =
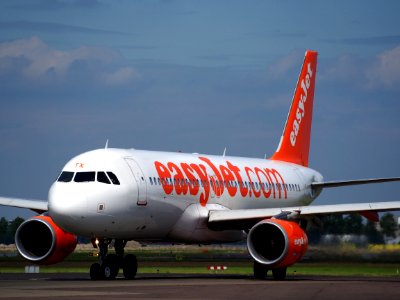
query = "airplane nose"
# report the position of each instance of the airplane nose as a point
(67, 205)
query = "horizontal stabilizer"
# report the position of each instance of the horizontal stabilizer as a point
(329, 184)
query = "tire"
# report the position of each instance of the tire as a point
(129, 266)
(279, 273)
(95, 271)
(110, 267)
(260, 271)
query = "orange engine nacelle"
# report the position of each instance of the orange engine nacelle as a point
(41, 241)
(277, 243)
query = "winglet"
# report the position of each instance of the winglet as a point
(294, 145)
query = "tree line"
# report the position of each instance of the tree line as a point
(8, 229)
(355, 224)
(333, 224)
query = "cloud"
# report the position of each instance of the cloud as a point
(217, 57)
(120, 77)
(374, 40)
(285, 65)
(57, 4)
(385, 72)
(377, 72)
(343, 68)
(51, 27)
(35, 62)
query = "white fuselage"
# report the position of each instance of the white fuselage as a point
(167, 196)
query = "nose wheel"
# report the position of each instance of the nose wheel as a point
(109, 264)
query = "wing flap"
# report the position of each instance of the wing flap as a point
(35, 205)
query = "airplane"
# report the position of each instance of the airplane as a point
(113, 196)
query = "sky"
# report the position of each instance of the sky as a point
(197, 76)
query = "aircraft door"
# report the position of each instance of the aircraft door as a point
(140, 180)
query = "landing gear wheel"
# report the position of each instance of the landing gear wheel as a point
(260, 270)
(110, 266)
(279, 273)
(129, 266)
(95, 272)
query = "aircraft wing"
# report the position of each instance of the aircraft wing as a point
(245, 218)
(35, 205)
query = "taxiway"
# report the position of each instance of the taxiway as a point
(78, 286)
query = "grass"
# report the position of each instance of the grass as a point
(345, 269)
(344, 260)
(297, 269)
(322, 269)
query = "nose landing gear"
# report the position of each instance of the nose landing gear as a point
(109, 264)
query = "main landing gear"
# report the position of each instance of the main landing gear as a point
(109, 264)
(261, 271)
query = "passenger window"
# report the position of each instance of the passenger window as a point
(113, 178)
(65, 176)
(85, 176)
(102, 177)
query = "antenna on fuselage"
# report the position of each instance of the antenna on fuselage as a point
(106, 146)
(223, 154)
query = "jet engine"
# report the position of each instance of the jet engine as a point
(41, 241)
(277, 243)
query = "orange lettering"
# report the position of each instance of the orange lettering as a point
(202, 172)
(163, 172)
(217, 190)
(179, 183)
(279, 182)
(243, 189)
(193, 186)
(229, 178)
(267, 193)
(256, 193)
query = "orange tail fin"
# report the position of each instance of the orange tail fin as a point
(294, 145)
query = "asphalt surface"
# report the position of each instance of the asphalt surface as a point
(78, 286)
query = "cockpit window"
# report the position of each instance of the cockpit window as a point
(113, 178)
(85, 176)
(89, 176)
(102, 177)
(65, 176)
